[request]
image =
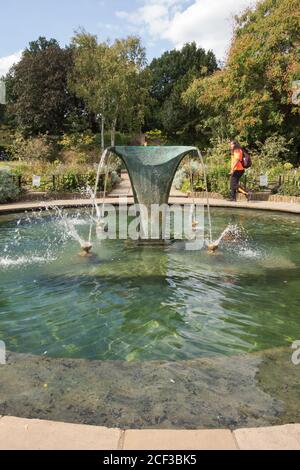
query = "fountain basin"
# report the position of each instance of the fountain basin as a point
(139, 338)
(131, 303)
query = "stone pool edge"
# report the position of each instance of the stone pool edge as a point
(33, 434)
(293, 208)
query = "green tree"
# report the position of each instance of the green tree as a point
(251, 98)
(171, 74)
(38, 96)
(110, 79)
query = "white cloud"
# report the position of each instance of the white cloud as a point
(154, 16)
(207, 22)
(7, 62)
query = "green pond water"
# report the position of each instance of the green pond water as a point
(136, 303)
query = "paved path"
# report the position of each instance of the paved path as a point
(124, 189)
(116, 199)
(26, 434)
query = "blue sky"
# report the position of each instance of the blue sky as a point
(162, 24)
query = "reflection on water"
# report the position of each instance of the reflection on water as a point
(138, 303)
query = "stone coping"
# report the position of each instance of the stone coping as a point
(26, 434)
(293, 208)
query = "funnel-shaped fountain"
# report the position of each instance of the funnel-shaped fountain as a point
(152, 170)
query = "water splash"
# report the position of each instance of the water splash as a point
(93, 194)
(207, 196)
(231, 233)
(69, 224)
(237, 235)
(7, 262)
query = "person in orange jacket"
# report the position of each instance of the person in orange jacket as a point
(237, 170)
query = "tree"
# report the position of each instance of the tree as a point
(171, 74)
(110, 79)
(37, 88)
(251, 98)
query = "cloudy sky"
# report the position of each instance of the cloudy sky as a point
(162, 24)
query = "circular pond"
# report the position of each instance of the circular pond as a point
(134, 303)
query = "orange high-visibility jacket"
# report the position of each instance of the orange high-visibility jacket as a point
(237, 161)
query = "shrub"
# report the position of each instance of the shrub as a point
(218, 179)
(290, 188)
(34, 148)
(275, 149)
(291, 182)
(73, 157)
(76, 141)
(9, 191)
(156, 137)
(219, 153)
(72, 180)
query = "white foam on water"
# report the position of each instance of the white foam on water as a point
(23, 260)
(248, 252)
(80, 222)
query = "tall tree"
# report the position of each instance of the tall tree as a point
(109, 78)
(171, 74)
(37, 87)
(252, 96)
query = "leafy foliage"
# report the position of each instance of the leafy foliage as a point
(290, 187)
(156, 137)
(182, 96)
(37, 88)
(9, 190)
(33, 148)
(110, 79)
(170, 76)
(64, 177)
(251, 98)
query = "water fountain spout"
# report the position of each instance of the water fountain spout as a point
(228, 234)
(86, 248)
(152, 171)
(212, 247)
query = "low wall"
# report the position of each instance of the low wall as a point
(37, 196)
(262, 196)
(279, 198)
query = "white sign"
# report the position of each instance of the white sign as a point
(263, 181)
(2, 92)
(36, 181)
